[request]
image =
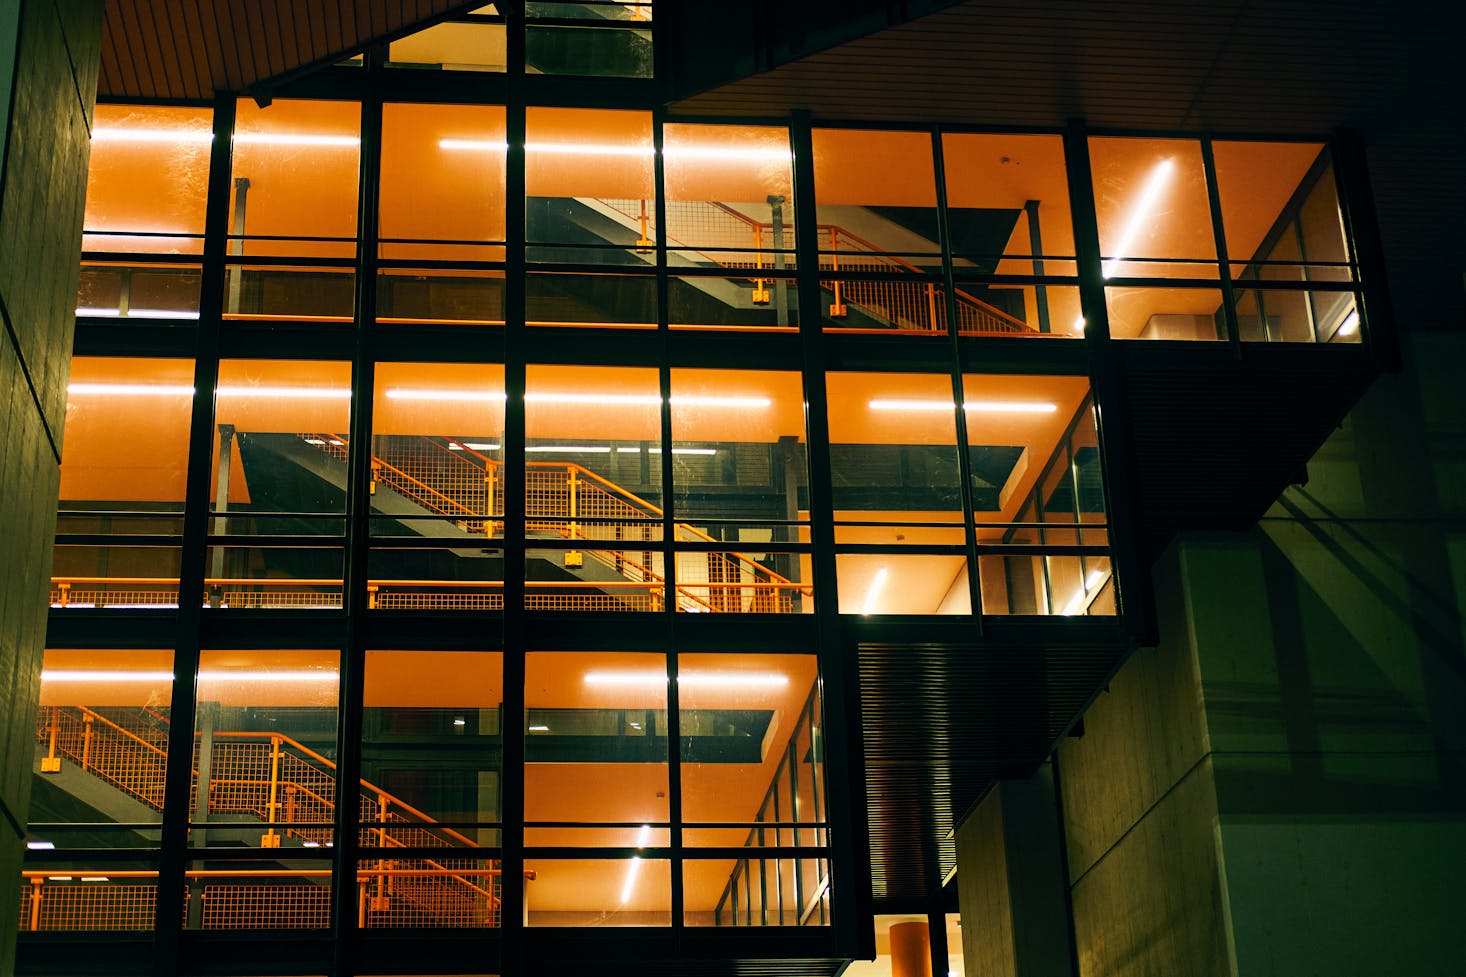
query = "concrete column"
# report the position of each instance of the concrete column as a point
(49, 53)
(1010, 883)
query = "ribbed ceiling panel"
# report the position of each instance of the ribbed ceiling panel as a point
(941, 726)
(1285, 65)
(173, 49)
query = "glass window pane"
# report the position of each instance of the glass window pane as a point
(730, 195)
(123, 471)
(591, 434)
(588, 174)
(102, 744)
(1280, 211)
(266, 728)
(281, 444)
(1008, 204)
(430, 752)
(295, 176)
(591, 38)
(877, 199)
(442, 181)
(1016, 432)
(893, 456)
(1166, 313)
(1151, 203)
(147, 179)
(596, 748)
(598, 891)
(475, 45)
(437, 476)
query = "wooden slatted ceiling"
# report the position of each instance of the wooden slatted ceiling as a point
(1291, 65)
(176, 49)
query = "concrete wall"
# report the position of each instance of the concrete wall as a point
(1280, 787)
(55, 47)
(1337, 696)
(1140, 814)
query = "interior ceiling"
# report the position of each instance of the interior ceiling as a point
(1154, 63)
(175, 50)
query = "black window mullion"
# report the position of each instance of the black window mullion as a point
(178, 781)
(345, 894)
(512, 896)
(956, 368)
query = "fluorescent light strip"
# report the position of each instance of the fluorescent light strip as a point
(539, 729)
(877, 584)
(572, 397)
(93, 675)
(181, 390)
(480, 446)
(40, 845)
(130, 389)
(704, 680)
(1139, 213)
(97, 313)
(1350, 325)
(610, 149)
(978, 406)
(200, 137)
(567, 449)
(112, 134)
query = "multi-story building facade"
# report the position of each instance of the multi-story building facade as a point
(511, 518)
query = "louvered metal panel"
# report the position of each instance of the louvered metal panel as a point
(172, 49)
(941, 726)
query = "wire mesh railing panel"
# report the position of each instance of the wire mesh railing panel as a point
(70, 595)
(285, 905)
(407, 600)
(68, 906)
(239, 779)
(593, 601)
(133, 762)
(437, 477)
(430, 893)
(246, 596)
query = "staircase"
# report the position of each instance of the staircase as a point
(567, 502)
(288, 790)
(906, 301)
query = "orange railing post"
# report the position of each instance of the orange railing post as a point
(86, 741)
(271, 839)
(838, 309)
(36, 883)
(51, 763)
(761, 294)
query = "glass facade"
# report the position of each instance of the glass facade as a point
(517, 479)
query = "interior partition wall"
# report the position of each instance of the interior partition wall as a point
(466, 500)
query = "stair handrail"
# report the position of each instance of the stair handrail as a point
(625, 494)
(838, 231)
(85, 710)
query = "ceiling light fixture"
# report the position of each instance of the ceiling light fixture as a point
(643, 151)
(699, 680)
(1076, 603)
(1140, 213)
(208, 675)
(977, 406)
(567, 449)
(130, 389)
(1350, 325)
(877, 584)
(98, 313)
